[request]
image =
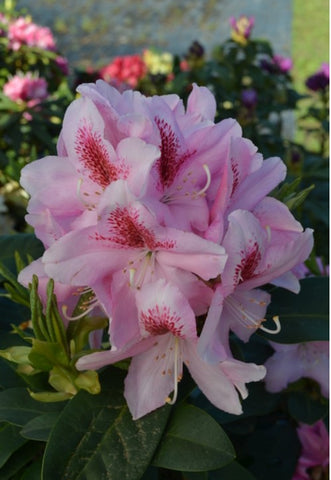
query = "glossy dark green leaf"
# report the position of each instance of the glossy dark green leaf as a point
(305, 409)
(39, 428)
(10, 441)
(96, 438)
(18, 408)
(304, 316)
(193, 442)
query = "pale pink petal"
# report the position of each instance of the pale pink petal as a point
(283, 368)
(211, 346)
(151, 376)
(201, 103)
(163, 308)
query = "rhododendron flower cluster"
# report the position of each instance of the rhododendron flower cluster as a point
(164, 217)
(124, 71)
(26, 88)
(22, 31)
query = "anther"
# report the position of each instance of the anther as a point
(277, 329)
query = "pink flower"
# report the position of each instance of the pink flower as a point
(314, 460)
(284, 64)
(168, 339)
(26, 88)
(290, 362)
(263, 246)
(23, 31)
(128, 69)
(63, 64)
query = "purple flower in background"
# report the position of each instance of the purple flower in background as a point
(290, 362)
(249, 97)
(320, 79)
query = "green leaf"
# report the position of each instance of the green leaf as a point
(305, 409)
(18, 408)
(39, 428)
(233, 471)
(193, 442)
(25, 243)
(96, 438)
(20, 460)
(10, 441)
(304, 317)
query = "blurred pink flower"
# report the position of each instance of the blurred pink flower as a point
(290, 362)
(26, 88)
(284, 64)
(313, 463)
(23, 31)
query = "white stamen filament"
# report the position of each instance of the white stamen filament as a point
(132, 272)
(277, 329)
(205, 188)
(172, 401)
(245, 317)
(92, 304)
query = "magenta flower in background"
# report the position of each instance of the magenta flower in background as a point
(290, 362)
(277, 64)
(26, 88)
(241, 28)
(319, 81)
(23, 31)
(313, 463)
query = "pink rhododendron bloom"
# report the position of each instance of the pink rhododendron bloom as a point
(241, 28)
(23, 31)
(169, 338)
(313, 463)
(26, 88)
(127, 70)
(162, 215)
(290, 362)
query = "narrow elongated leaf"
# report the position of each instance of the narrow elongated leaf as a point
(304, 317)
(96, 438)
(10, 441)
(18, 408)
(193, 442)
(17, 463)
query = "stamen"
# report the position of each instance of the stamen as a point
(93, 304)
(278, 326)
(268, 229)
(205, 188)
(132, 272)
(176, 376)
